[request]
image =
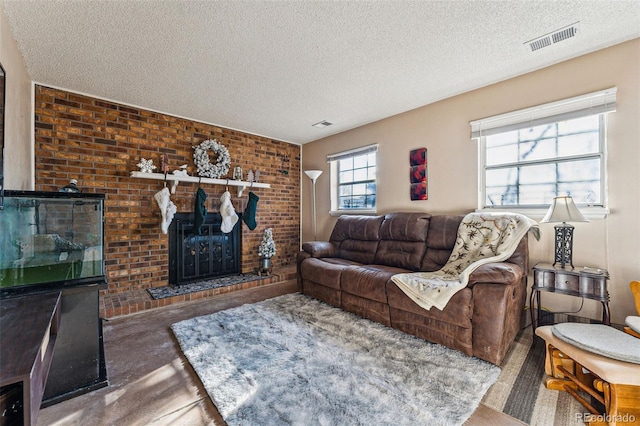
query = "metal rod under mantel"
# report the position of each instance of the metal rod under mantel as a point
(241, 184)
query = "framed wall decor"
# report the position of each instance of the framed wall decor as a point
(418, 174)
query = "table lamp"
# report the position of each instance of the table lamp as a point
(563, 210)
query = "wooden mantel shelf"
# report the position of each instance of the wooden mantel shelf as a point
(242, 185)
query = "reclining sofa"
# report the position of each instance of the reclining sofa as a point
(353, 271)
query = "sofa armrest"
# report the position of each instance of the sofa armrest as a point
(499, 292)
(320, 249)
(496, 273)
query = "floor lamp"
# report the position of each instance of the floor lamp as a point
(314, 175)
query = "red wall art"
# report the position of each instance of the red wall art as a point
(418, 174)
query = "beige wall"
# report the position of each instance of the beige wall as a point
(443, 128)
(18, 150)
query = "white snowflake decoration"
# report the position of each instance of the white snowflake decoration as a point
(146, 166)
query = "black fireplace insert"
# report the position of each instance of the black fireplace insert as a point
(211, 254)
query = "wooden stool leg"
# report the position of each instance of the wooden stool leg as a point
(621, 402)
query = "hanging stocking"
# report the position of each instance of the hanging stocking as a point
(167, 208)
(229, 216)
(199, 211)
(249, 215)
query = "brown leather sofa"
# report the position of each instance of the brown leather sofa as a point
(352, 271)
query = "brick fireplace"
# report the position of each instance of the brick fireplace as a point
(100, 142)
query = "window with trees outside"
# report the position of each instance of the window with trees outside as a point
(531, 156)
(353, 180)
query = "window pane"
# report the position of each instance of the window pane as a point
(584, 124)
(582, 192)
(501, 196)
(542, 173)
(538, 150)
(359, 175)
(579, 144)
(345, 203)
(345, 190)
(359, 161)
(539, 183)
(346, 177)
(585, 170)
(531, 195)
(539, 132)
(370, 201)
(358, 202)
(356, 182)
(345, 164)
(371, 173)
(371, 159)
(501, 177)
(359, 189)
(502, 154)
(531, 166)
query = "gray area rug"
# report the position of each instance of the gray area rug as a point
(295, 360)
(169, 291)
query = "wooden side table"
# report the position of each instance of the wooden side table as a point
(29, 326)
(580, 281)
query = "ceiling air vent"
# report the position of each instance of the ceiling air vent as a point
(553, 37)
(322, 124)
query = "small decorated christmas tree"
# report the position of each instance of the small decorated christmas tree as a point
(267, 248)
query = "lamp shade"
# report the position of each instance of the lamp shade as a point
(563, 209)
(313, 174)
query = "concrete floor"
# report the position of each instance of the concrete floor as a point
(151, 383)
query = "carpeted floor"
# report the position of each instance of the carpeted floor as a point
(295, 360)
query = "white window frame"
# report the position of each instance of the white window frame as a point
(597, 103)
(333, 159)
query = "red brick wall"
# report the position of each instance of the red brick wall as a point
(100, 142)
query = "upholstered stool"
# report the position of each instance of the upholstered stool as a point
(574, 366)
(633, 321)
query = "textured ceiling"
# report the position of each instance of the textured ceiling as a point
(274, 68)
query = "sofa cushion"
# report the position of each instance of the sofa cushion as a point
(458, 311)
(402, 240)
(441, 237)
(357, 237)
(358, 251)
(323, 272)
(368, 281)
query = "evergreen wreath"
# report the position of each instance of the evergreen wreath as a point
(203, 162)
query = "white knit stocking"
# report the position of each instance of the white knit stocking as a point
(167, 208)
(228, 213)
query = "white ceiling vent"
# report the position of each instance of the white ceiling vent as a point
(553, 37)
(322, 124)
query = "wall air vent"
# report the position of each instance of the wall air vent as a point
(553, 37)
(322, 124)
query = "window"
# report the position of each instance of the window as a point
(353, 180)
(528, 157)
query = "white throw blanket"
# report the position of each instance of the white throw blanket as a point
(482, 238)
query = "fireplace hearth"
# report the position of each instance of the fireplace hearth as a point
(200, 257)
